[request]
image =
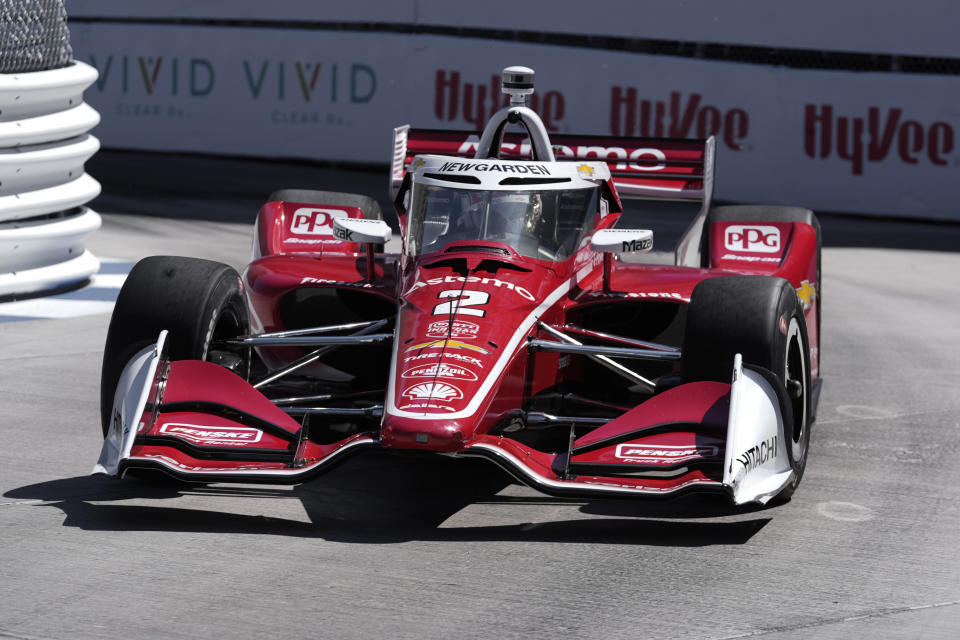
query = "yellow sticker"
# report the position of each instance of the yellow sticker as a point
(452, 344)
(807, 294)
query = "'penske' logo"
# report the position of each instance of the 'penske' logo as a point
(450, 344)
(663, 454)
(212, 436)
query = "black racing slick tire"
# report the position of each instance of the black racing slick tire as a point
(369, 206)
(761, 318)
(766, 213)
(199, 302)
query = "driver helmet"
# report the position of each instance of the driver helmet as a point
(525, 207)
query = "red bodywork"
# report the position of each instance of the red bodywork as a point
(459, 373)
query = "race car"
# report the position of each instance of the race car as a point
(514, 322)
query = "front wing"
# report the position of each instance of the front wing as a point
(200, 422)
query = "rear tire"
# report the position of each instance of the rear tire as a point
(197, 301)
(761, 318)
(765, 213)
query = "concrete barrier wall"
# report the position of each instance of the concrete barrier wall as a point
(298, 80)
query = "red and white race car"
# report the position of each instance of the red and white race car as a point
(506, 327)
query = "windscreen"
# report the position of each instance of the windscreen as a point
(545, 224)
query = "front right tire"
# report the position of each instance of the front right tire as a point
(761, 318)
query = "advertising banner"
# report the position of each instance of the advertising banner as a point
(927, 28)
(878, 143)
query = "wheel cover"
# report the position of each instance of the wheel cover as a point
(795, 369)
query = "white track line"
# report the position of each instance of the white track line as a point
(97, 297)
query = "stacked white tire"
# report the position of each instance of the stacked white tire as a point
(44, 143)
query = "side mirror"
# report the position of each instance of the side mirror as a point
(616, 240)
(360, 230)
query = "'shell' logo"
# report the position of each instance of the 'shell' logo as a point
(758, 239)
(315, 222)
(437, 391)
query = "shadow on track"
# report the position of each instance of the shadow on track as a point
(391, 501)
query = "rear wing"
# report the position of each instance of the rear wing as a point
(672, 168)
(663, 168)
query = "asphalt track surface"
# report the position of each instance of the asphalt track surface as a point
(409, 548)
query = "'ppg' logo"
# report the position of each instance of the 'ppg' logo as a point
(759, 239)
(315, 222)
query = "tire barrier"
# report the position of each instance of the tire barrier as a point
(44, 143)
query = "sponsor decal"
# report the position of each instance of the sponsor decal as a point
(449, 344)
(585, 170)
(425, 405)
(656, 294)
(116, 424)
(308, 221)
(663, 454)
(343, 283)
(343, 234)
(455, 329)
(459, 167)
(807, 294)
(447, 355)
(643, 159)
(859, 141)
(440, 370)
(471, 279)
(758, 454)
(305, 241)
(783, 325)
(636, 245)
(682, 117)
(750, 238)
(436, 391)
(733, 256)
(212, 436)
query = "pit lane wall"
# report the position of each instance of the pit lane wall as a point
(295, 81)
